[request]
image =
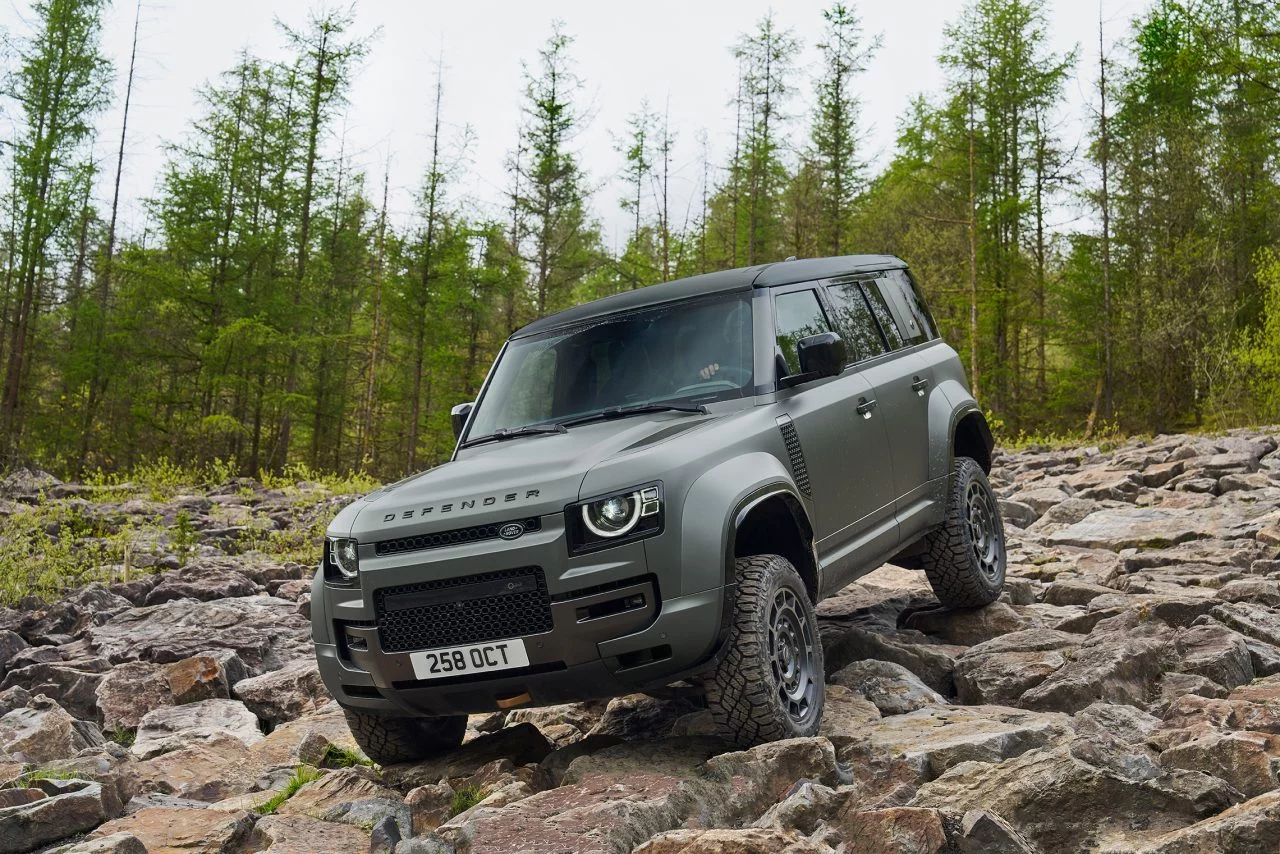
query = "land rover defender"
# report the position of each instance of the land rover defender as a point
(657, 488)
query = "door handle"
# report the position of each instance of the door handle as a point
(865, 406)
(919, 386)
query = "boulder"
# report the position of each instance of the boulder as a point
(1249, 761)
(205, 677)
(966, 626)
(429, 806)
(10, 644)
(903, 751)
(198, 581)
(174, 727)
(1251, 826)
(1060, 802)
(68, 674)
(300, 834)
(895, 830)
(129, 691)
(116, 843)
(1116, 666)
(1000, 671)
(522, 744)
(893, 689)
(932, 661)
(749, 840)
(174, 829)
(79, 806)
(42, 731)
(263, 631)
(638, 716)
(285, 694)
(1143, 527)
(209, 770)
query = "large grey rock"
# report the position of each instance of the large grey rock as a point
(1062, 803)
(1002, 670)
(28, 826)
(68, 674)
(202, 582)
(183, 829)
(893, 689)
(173, 727)
(285, 694)
(43, 732)
(1138, 527)
(265, 632)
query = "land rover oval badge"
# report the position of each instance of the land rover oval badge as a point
(511, 530)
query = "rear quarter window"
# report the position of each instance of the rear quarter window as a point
(901, 290)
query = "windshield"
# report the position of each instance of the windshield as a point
(690, 352)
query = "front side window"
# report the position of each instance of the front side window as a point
(798, 315)
(689, 352)
(853, 318)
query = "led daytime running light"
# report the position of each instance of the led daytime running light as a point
(588, 509)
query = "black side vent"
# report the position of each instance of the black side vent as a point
(794, 452)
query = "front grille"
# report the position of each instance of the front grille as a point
(457, 536)
(443, 619)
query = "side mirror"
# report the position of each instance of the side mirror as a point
(458, 417)
(822, 355)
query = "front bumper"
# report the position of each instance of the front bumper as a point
(595, 648)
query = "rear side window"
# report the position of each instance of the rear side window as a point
(854, 321)
(798, 315)
(883, 316)
(905, 296)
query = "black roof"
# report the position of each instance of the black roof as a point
(759, 276)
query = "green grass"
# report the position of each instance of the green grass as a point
(54, 547)
(25, 780)
(340, 757)
(303, 775)
(464, 799)
(123, 736)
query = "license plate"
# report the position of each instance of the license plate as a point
(473, 658)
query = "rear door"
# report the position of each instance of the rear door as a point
(842, 437)
(905, 389)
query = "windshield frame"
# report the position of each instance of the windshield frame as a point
(748, 297)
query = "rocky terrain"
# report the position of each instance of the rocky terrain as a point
(1124, 695)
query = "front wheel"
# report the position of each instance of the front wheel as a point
(768, 684)
(965, 557)
(388, 740)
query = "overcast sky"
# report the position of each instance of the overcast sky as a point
(671, 52)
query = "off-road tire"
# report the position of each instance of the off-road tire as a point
(752, 695)
(965, 557)
(388, 740)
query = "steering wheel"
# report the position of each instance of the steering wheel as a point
(734, 374)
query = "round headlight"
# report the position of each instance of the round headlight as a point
(343, 555)
(612, 517)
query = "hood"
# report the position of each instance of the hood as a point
(505, 481)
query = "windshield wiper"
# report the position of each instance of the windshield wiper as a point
(527, 430)
(639, 409)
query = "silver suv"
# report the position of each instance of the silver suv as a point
(657, 487)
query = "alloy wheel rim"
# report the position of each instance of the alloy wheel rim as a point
(984, 531)
(792, 656)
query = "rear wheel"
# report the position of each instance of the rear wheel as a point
(965, 557)
(388, 740)
(769, 683)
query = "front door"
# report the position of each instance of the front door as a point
(845, 447)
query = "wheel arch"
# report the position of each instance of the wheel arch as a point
(971, 436)
(773, 521)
